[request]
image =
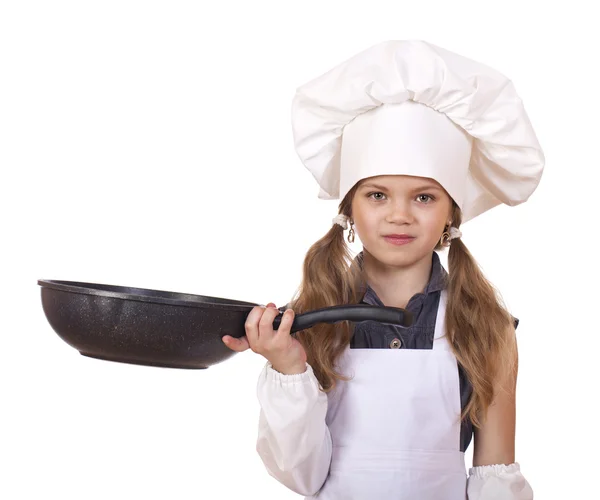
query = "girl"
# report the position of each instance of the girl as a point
(414, 140)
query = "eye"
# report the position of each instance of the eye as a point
(428, 196)
(375, 192)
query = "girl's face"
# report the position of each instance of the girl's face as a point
(400, 204)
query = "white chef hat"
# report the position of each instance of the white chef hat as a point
(410, 107)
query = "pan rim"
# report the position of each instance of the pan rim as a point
(87, 288)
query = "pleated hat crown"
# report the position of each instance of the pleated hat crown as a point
(408, 107)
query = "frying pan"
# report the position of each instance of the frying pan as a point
(170, 329)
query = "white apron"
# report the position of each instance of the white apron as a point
(395, 426)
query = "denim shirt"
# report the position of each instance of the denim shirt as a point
(423, 306)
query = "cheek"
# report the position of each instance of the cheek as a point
(434, 229)
(367, 223)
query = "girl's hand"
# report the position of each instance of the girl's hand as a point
(285, 353)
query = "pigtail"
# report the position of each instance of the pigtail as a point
(331, 276)
(480, 329)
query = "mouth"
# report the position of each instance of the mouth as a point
(398, 239)
(399, 236)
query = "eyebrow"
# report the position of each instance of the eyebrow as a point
(419, 188)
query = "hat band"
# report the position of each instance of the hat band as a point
(406, 138)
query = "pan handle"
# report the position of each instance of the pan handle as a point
(356, 313)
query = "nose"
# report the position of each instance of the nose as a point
(399, 213)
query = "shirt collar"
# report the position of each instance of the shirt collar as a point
(438, 280)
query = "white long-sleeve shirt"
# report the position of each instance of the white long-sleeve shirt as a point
(294, 442)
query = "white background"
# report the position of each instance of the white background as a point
(149, 144)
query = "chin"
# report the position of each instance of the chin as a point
(399, 255)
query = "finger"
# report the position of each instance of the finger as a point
(265, 325)
(287, 319)
(235, 344)
(251, 324)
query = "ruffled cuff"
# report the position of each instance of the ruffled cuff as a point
(498, 482)
(274, 375)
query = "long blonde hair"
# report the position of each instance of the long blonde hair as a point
(480, 329)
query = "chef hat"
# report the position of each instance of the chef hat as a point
(410, 107)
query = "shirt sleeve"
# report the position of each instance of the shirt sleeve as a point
(498, 482)
(294, 441)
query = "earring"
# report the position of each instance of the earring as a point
(351, 233)
(445, 239)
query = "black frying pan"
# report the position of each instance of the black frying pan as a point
(176, 330)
